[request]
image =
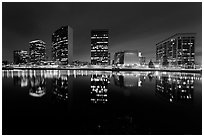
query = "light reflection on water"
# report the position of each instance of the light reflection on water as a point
(106, 88)
(173, 86)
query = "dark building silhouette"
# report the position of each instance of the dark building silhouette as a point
(151, 64)
(177, 50)
(20, 57)
(5, 62)
(62, 45)
(37, 51)
(99, 47)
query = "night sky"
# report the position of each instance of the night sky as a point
(132, 26)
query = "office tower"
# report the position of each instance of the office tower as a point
(37, 51)
(20, 56)
(62, 45)
(129, 57)
(99, 47)
(177, 50)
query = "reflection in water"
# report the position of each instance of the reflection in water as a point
(37, 86)
(36, 82)
(132, 114)
(129, 79)
(150, 76)
(20, 81)
(60, 87)
(99, 88)
(175, 88)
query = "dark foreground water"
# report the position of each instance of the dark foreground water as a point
(97, 102)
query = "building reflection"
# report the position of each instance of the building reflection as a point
(150, 76)
(126, 80)
(99, 88)
(20, 79)
(33, 80)
(175, 88)
(37, 86)
(60, 87)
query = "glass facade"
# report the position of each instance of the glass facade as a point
(126, 58)
(37, 51)
(62, 45)
(178, 51)
(99, 47)
(119, 58)
(20, 57)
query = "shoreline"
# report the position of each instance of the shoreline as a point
(108, 69)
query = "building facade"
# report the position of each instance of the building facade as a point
(62, 45)
(99, 47)
(119, 58)
(142, 59)
(129, 57)
(177, 50)
(37, 51)
(20, 56)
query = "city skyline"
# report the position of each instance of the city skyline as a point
(132, 28)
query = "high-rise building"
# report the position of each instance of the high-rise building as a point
(62, 45)
(20, 56)
(177, 50)
(37, 51)
(99, 47)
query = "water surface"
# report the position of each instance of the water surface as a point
(99, 102)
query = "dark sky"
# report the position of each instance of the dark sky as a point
(132, 26)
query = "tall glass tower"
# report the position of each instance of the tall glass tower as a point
(37, 51)
(62, 45)
(99, 47)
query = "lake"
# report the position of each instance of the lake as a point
(76, 102)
